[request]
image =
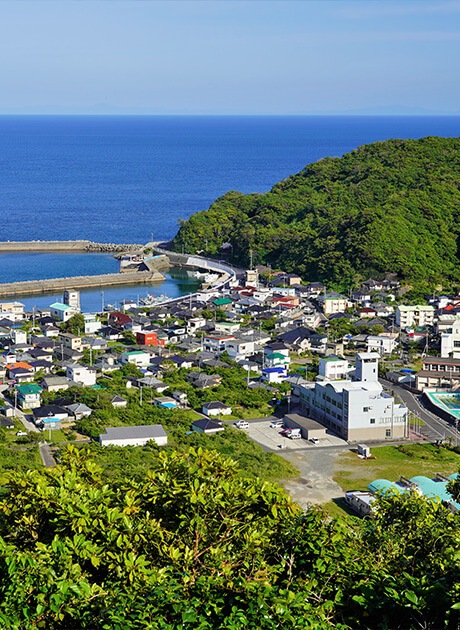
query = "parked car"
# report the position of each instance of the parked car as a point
(295, 436)
(21, 433)
(242, 424)
(277, 424)
(314, 440)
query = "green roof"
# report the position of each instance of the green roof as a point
(222, 301)
(29, 388)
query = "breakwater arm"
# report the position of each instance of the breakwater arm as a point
(36, 287)
(66, 246)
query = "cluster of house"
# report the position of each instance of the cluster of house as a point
(346, 397)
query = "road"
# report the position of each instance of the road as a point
(435, 428)
(46, 455)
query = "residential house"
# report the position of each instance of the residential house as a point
(118, 401)
(205, 425)
(239, 348)
(136, 357)
(333, 368)
(84, 375)
(382, 344)
(63, 312)
(216, 408)
(69, 341)
(134, 436)
(79, 410)
(29, 395)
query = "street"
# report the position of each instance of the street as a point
(435, 428)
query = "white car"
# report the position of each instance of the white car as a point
(314, 440)
(277, 424)
(242, 424)
(295, 436)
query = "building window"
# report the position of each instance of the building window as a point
(365, 409)
(372, 420)
(388, 433)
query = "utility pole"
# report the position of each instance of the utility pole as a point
(102, 296)
(140, 397)
(250, 259)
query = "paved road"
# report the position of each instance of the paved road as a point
(435, 428)
(46, 455)
(26, 421)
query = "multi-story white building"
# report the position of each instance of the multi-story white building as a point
(332, 303)
(408, 316)
(92, 324)
(359, 409)
(381, 344)
(12, 310)
(450, 340)
(82, 374)
(333, 368)
(239, 348)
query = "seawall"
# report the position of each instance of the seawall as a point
(36, 287)
(66, 246)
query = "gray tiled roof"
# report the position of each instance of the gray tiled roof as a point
(136, 432)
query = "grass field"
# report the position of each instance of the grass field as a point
(392, 462)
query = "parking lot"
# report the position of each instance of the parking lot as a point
(261, 432)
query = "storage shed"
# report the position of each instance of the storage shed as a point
(308, 428)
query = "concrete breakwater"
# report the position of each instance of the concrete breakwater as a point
(36, 287)
(66, 246)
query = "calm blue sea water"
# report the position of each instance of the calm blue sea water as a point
(177, 283)
(124, 178)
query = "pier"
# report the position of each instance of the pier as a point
(37, 287)
(66, 246)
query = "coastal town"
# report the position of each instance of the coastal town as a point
(294, 366)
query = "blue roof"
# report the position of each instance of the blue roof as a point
(383, 485)
(277, 370)
(60, 307)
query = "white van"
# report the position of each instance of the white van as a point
(242, 424)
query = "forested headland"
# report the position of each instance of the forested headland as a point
(390, 206)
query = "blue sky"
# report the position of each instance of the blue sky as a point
(230, 57)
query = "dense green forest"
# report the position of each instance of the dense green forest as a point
(195, 545)
(389, 206)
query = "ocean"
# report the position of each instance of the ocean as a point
(132, 178)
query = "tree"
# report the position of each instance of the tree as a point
(74, 325)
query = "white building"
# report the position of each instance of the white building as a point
(92, 324)
(84, 375)
(332, 303)
(72, 298)
(381, 344)
(333, 368)
(62, 312)
(408, 316)
(450, 341)
(12, 310)
(356, 410)
(137, 357)
(239, 348)
(216, 343)
(18, 336)
(134, 436)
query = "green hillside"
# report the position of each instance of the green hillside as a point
(389, 206)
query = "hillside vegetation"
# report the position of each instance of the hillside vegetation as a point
(389, 206)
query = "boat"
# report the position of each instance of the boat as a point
(154, 300)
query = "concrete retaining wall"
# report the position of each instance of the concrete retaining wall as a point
(35, 287)
(65, 246)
